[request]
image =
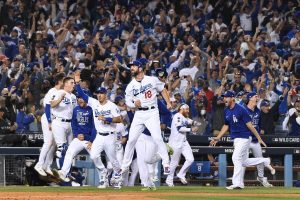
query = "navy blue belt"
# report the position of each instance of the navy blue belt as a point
(105, 134)
(147, 108)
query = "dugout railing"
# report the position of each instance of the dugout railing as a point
(287, 153)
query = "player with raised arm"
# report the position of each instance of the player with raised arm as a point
(238, 121)
(106, 116)
(49, 146)
(141, 95)
(82, 128)
(62, 106)
(178, 142)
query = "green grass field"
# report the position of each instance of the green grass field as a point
(176, 193)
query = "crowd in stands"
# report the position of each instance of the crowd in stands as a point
(199, 48)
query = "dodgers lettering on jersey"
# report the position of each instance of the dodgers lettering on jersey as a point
(83, 122)
(145, 91)
(177, 138)
(236, 118)
(255, 119)
(107, 110)
(65, 107)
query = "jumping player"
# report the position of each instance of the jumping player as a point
(106, 117)
(255, 147)
(238, 121)
(141, 95)
(62, 106)
(48, 148)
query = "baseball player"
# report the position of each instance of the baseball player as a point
(254, 113)
(62, 106)
(48, 148)
(238, 121)
(106, 117)
(179, 144)
(141, 95)
(82, 128)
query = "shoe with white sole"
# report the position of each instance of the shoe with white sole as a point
(103, 185)
(49, 171)
(264, 182)
(169, 183)
(40, 170)
(153, 188)
(233, 187)
(182, 179)
(62, 176)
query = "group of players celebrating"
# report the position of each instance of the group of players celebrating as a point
(72, 123)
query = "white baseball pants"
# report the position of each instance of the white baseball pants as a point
(187, 152)
(107, 144)
(240, 159)
(150, 120)
(62, 132)
(49, 146)
(75, 147)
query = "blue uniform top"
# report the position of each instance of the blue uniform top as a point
(236, 118)
(255, 119)
(83, 123)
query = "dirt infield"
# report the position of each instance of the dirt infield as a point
(122, 196)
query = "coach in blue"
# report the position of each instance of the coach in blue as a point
(82, 128)
(238, 121)
(255, 147)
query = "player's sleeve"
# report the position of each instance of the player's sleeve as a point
(74, 123)
(245, 116)
(48, 112)
(115, 111)
(180, 126)
(129, 97)
(91, 136)
(226, 121)
(81, 93)
(159, 85)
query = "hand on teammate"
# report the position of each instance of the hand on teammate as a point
(101, 118)
(62, 96)
(50, 126)
(89, 145)
(80, 137)
(137, 103)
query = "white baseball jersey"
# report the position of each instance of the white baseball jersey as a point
(107, 110)
(179, 130)
(50, 96)
(65, 107)
(145, 91)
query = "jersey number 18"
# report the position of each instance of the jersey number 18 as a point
(148, 94)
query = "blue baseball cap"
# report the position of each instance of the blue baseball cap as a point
(118, 99)
(229, 94)
(250, 95)
(101, 90)
(265, 103)
(136, 63)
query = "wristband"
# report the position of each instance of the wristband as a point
(109, 119)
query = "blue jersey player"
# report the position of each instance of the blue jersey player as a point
(238, 121)
(83, 130)
(255, 147)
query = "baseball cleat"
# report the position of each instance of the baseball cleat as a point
(183, 180)
(62, 177)
(233, 187)
(103, 185)
(40, 170)
(169, 183)
(264, 182)
(49, 171)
